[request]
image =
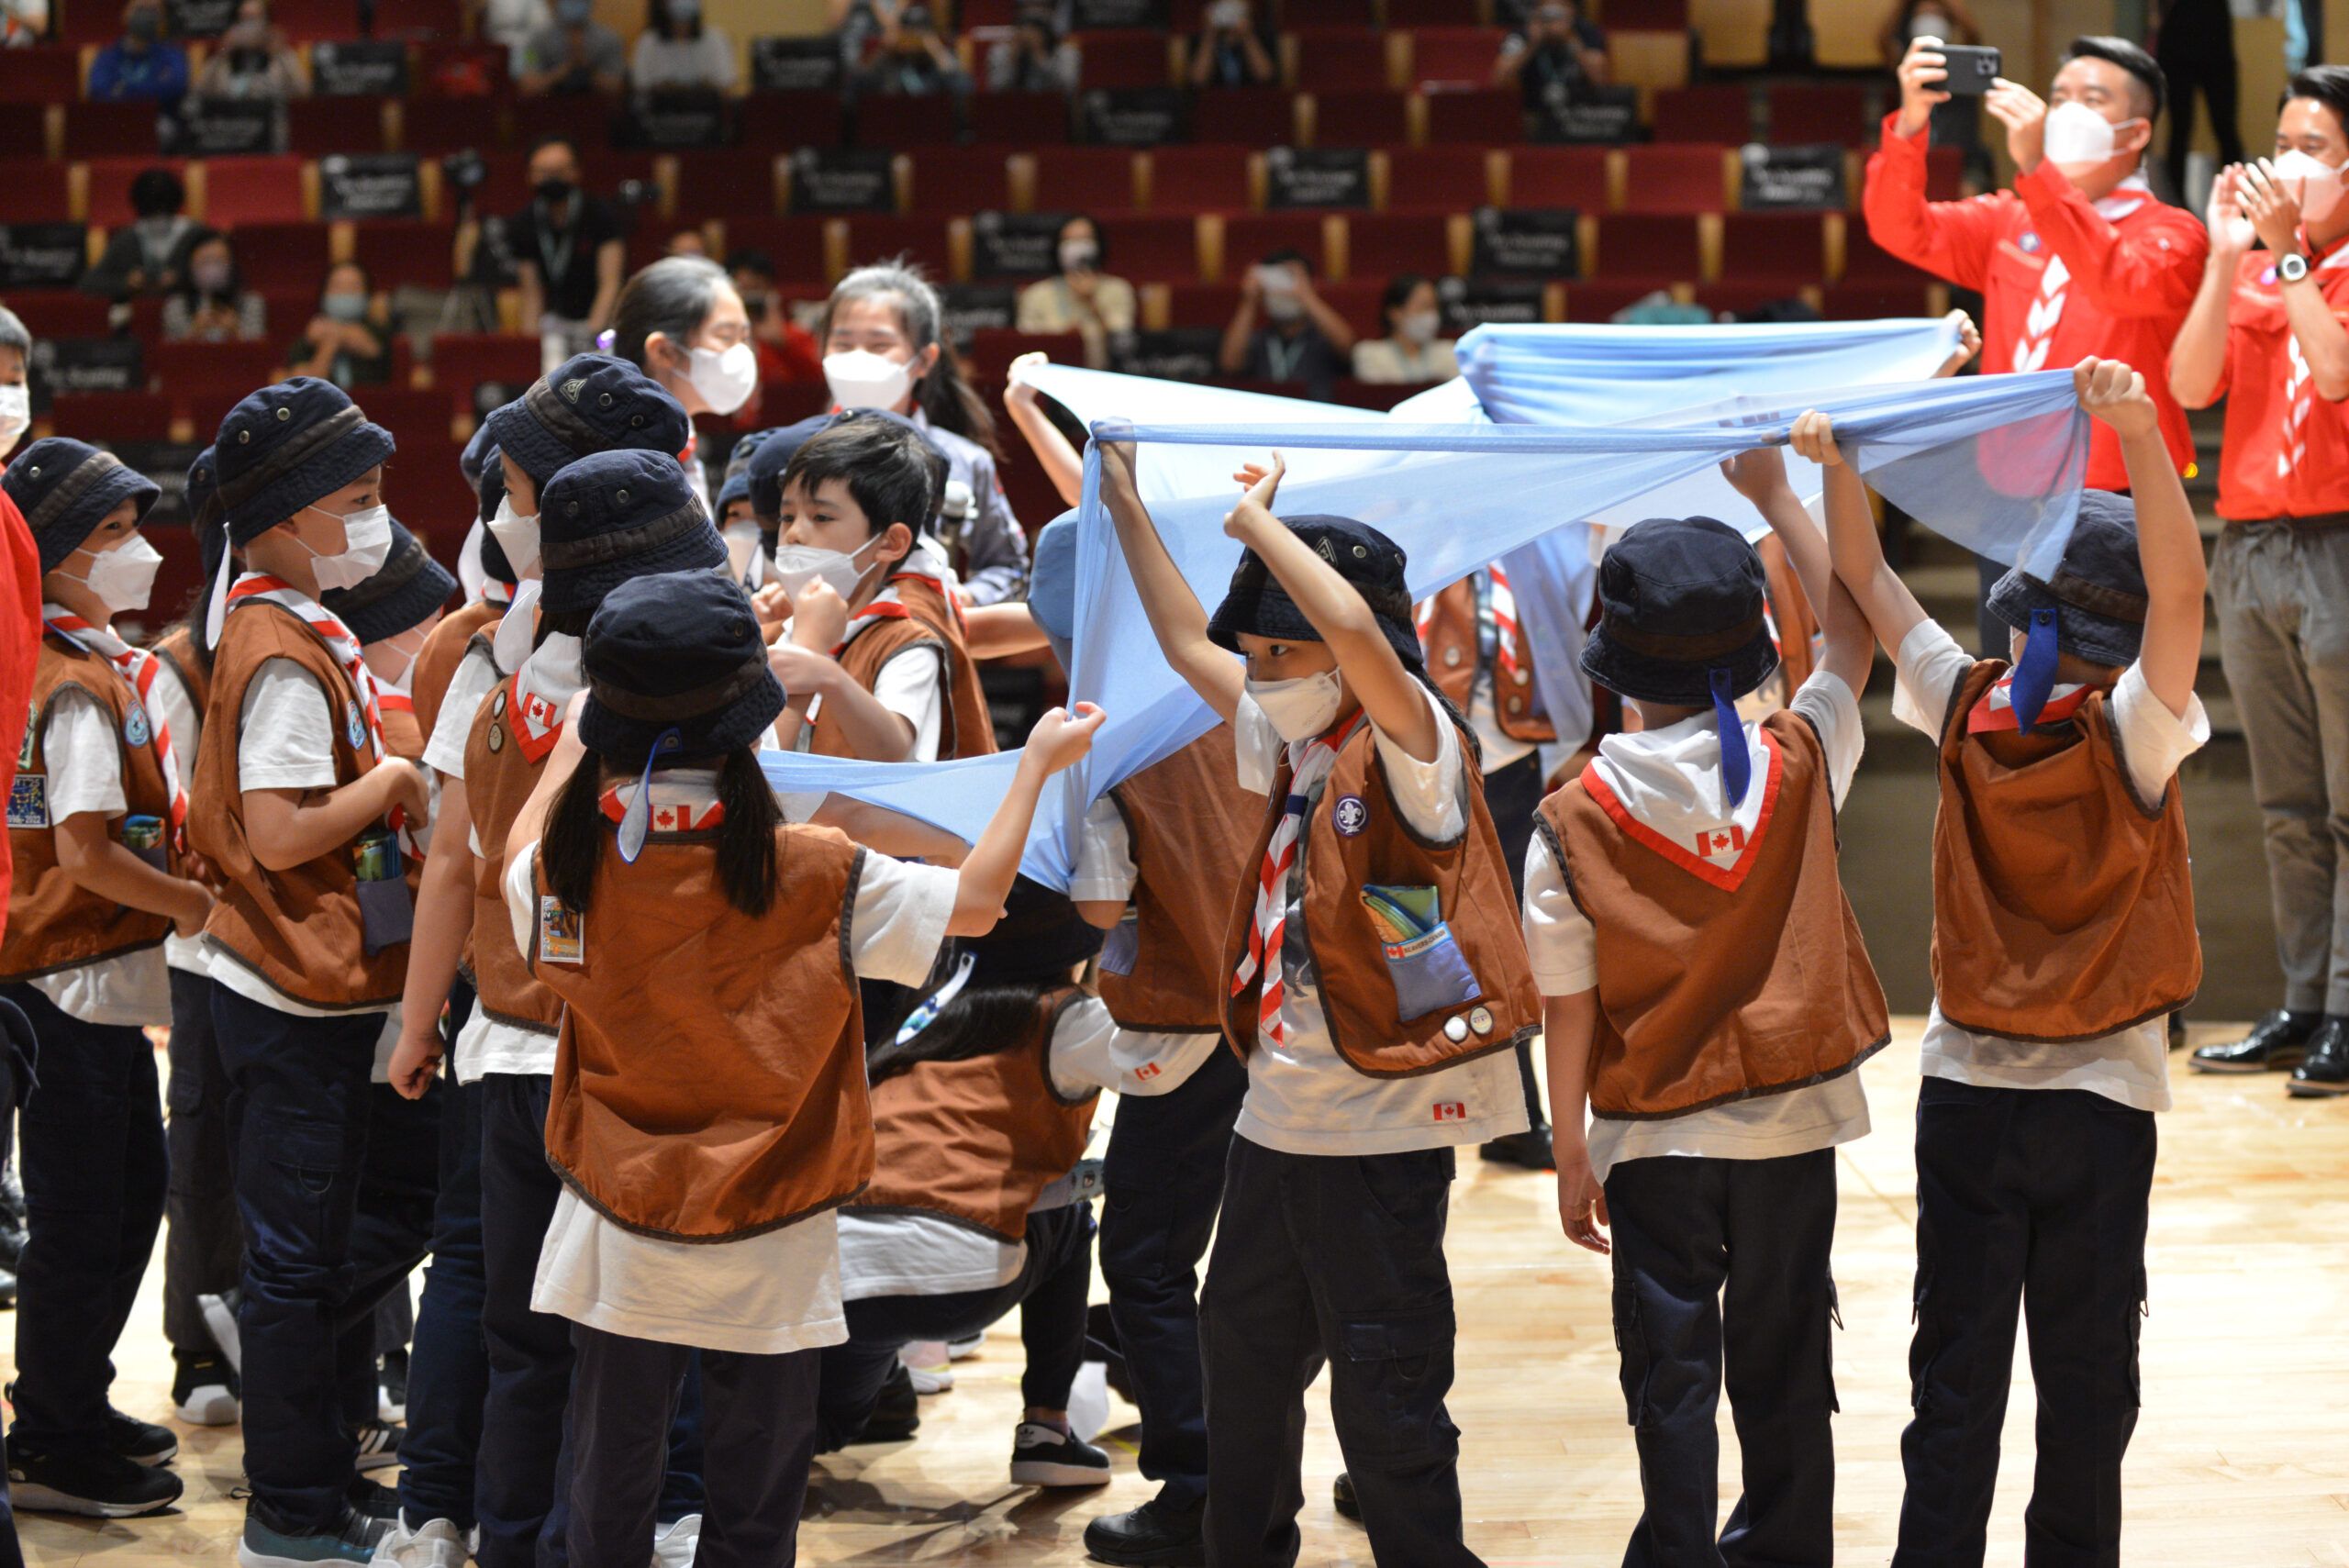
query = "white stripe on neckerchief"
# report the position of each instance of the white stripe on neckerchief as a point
(341, 642)
(1267, 928)
(137, 667)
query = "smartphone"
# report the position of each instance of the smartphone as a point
(1972, 69)
(1276, 280)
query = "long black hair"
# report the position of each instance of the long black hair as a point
(577, 832)
(950, 401)
(984, 1017)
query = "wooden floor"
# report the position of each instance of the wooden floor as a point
(2241, 1461)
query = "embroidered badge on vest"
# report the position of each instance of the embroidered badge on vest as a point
(495, 738)
(135, 733)
(1351, 817)
(354, 726)
(562, 934)
(29, 801)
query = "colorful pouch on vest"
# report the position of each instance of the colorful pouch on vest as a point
(1429, 973)
(386, 918)
(1122, 945)
(143, 837)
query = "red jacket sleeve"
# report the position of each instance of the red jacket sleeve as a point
(1952, 241)
(19, 652)
(2152, 269)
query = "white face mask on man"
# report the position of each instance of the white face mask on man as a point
(1299, 710)
(863, 379)
(2078, 138)
(797, 565)
(2320, 184)
(366, 544)
(121, 578)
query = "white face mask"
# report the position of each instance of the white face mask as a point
(724, 379)
(797, 565)
(366, 543)
(863, 379)
(2320, 184)
(16, 415)
(2079, 138)
(1078, 255)
(1419, 327)
(122, 577)
(517, 536)
(1301, 710)
(1283, 306)
(393, 661)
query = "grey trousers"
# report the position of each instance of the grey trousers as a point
(2282, 596)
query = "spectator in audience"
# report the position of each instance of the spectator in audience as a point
(677, 52)
(788, 352)
(1302, 342)
(350, 339)
(16, 396)
(680, 321)
(148, 254)
(140, 64)
(570, 253)
(1956, 122)
(1231, 50)
(1081, 298)
(686, 242)
(212, 304)
(576, 54)
(23, 23)
(914, 59)
(859, 26)
(1411, 354)
(511, 25)
(1555, 57)
(1036, 57)
(253, 60)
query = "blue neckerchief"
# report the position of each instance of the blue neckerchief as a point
(2035, 675)
(636, 822)
(1737, 767)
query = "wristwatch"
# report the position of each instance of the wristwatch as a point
(2291, 266)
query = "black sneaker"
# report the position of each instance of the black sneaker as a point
(1342, 1498)
(897, 1414)
(1159, 1534)
(142, 1443)
(101, 1486)
(7, 1287)
(2177, 1030)
(2278, 1041)
(205, 1393)
(1047, 1456)
(220, 1320)
(391, 1386)
(379, 1446)
(271, 1541)
(2323, 1074)
(371, 1498)
(1529, 1149)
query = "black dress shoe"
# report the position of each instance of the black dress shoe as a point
(1159, 1534)
(1529, 1150)
(2276, 1042)
(1342, 1498)
(2323, 1074)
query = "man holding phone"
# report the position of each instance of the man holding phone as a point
(2078, 259)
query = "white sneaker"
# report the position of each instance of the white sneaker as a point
(932, 1369)
(674, 1545)
(436, 1544)
(963, 1349)
(220, 1318)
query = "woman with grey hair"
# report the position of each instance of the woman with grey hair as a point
(680, 322)
(15, 389)
(882, 350)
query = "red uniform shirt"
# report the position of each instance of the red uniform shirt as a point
(2130, 266)
(2286, 453)
(19, 652)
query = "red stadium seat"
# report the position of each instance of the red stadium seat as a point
(1558, 177)
(34, 190)
(459, 68)
(961, 180)
(110, 130)
(1201, 304)
(1867, 261)
(781, 120)
(1017, 119)
(289, 257)
(879, 238)
(1804, 112)
(400, 255)
(1126, 58)
(1871, 300)
(436, 127)
(1249, 235)
(585, 119)
(466, 360)
(1446, 179)
(505, 187)
(1786, 250)
(1455, 55)
(993, 349)
(985, 14)
(205, 380)
(720, 183)
(1357, 300)
(1718, 111)
(1377, 118)
(1486, 119)
(1648, 15)
(796, 245)
(1674, 178)
(252, 190)
(1341, 59)
(1084, 179)
(424, 486)
(315, 21)
(84, 23)
(1598, 302)
(110, 417)
(1649, 245)
(1423, 15)
(110, 185)
(891, 121)
(1251, 116)
(1300, 13)
(47, 74)
(24, 128)
(317, 127)
(418, 18)
(1743, 299)
(414, 416)
(1198, 179)
(60, 313)
(1380, 244)
(1154, 249)
(603, 168)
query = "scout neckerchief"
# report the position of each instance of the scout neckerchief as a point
(1996, 711)
(138, 668)
(682, 802)
(1264, 931)
(258, 586)
(536, 697)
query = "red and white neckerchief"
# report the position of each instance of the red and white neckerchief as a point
(1996, 711)
(1265, 930)
(678, 805)
(257, 586)
(880, 609)
(1503, 602)
(138, 668)
(494, 592)
(537, 720)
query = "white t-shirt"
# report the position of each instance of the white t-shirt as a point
(476, 676)
(175, 707)
(1303, 1097)
(1105, 873)
(85, 759)
(763, 1294)
(1670, 779)
(2132, 1066)
(912, 686)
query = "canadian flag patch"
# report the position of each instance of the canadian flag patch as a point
(684, 817)
(1451, 1110)
(1147, 1071)
(1719, 841)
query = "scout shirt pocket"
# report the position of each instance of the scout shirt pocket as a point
(387, 916)
(1429, 973)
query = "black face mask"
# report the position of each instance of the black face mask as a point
(554, 192)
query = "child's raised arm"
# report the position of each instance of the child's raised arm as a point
(2169, 545)
(1857, 553)
(1176, 617)
(984, 881)
(1388, 693)
(1760, 476)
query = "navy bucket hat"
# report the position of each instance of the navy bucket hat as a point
(675, 665)
(1040, 939)
(1258, 604)
(592, 402)
(203, 519)
(289, 446)
(774, 453)
(616, 516)
(65, 488)
(403, 593)
(2097, 596)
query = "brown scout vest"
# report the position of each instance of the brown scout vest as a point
(973, 722)
(1790, 608)
(499, 779)
(699, 1095)
(176, 648)
(1190, 827)
(299, 928)
(867, 653)
(1358, 996)
(443, 650)
(978, 1140)
(54, 922)
(2063, 910)
(1720, 984)
(1454, 659)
